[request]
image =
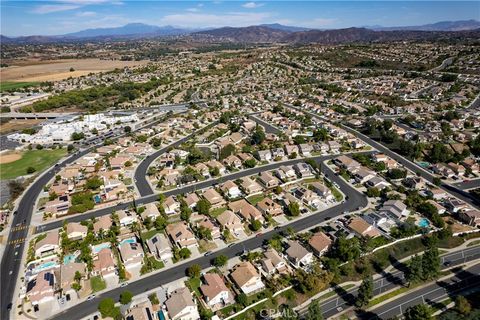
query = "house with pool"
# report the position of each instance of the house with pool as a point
(49, 245)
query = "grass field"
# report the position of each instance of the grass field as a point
(97, 283)
(38, 159)
(12, 85)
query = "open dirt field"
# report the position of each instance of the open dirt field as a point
(9, 157)
(60, 69)
(14, 125)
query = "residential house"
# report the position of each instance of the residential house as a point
(126, 218)
(215, 292)
(303, 170)
(246, 277)
(181, 305)
(394, 209)
(322, 190)
(102, 224)
(267, 180)
(131, 253)
(75, 231)
(308, 197)
(48, 245)
(229, 220)
(298, 255)
(263, 155)
(305, 149)
(208, 224)
(160, 247)
(346, 163)
(65, 276)
(104, 263)
(250, 186)
(230, 190)
(285, 173)
(141, 311)
(273, 263)
(214, 198)
(191, 199)
(181, 235)
(377, 182)
(151, 211)
(334, 146)
(320, 243)
(42, 288)
(269, 207)
(171, 205)
(363, 228)
(233, 161)
(291, 150)
(470, 217)
(362, 175)
(246, 210)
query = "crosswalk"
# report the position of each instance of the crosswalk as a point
(17, 241)
(19, 228)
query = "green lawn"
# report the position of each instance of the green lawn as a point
(255, 199)
(148, 234)
(216, 212)
(11, 85)
(97, 283)
(38, 159)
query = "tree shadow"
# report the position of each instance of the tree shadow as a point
(348, 297)
(366, 315)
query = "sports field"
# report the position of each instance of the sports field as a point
(38, 159)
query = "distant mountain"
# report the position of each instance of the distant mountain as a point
(439, 26)
(282, 27)
(127, 30)
(246, 34)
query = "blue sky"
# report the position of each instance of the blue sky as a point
(63, 16)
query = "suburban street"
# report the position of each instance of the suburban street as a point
(462, 281)
(21, 225)
(389, 281)
(356, 200)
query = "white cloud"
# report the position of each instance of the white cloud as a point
(201, 20)
(49, 8)
(193, 10)
(317, 23)
(86, 14)
(252, 5)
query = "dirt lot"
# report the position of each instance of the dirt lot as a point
(9, 157)
(15, 125)
(60, 69)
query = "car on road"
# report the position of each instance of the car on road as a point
(447, 263)
(258, 234)
(9, 306)
(124, 284)
(90, 297)
(207, 253)
(231, 245)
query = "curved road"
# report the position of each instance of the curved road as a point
(149, 282)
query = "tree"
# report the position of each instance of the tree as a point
(77, 136)
(293, 209)
(78, 276)
(365, 292)
(160, 223)
(185, 211)
(229, 149)
(242, 299)
(220, 261)
(373, 192)
(414, 272)
(258, 136)
(107, 308)
(126, 297)
(437, 181)
(127, 129)
(462, 305)
(346, 249)
(203, 207)
(255, 225)
(194, 271)
(184, 253)
(314, 311)
(431, 263)
(250, 163)
(31, 170)
(418, 312)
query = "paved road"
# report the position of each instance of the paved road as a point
(354, 201)
(467, 185)
(462, 281)
(269, 128)
(140, 175)
(389, 281)
(197, 186)
(10, 267)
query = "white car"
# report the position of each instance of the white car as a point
(90, 297)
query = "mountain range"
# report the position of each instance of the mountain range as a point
(263, 33)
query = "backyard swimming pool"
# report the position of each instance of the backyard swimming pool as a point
(98, 247)
(129, 240)
(45, 266)
(69, 258)
(424, 223)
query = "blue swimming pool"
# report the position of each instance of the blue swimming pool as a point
(97, 198)
(160, 315)
(129, 240)
(423, 164)
(45, 266)
(69, 258)
(424, 223)
(98, 247)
